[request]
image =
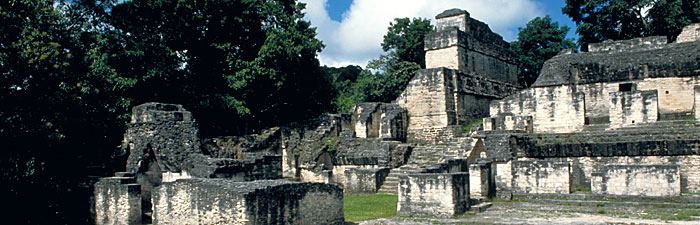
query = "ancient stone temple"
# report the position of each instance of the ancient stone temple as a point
(172, 180)
(468, 66)
(619, 120)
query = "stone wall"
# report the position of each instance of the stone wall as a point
(470, 46)
(626, 45)
(541, 177)
(441, 195)
(364, 180)
(217, 201)
(670, 60)
(241, 147)
(567, 108)
(117, 201)
(379, 120)
(637, 180)
(481, 181)
(630, 107)
(690, 33)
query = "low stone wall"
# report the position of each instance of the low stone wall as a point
(218, 201)
(541, 177)
(637, 180)
(430, 194)
(434, 135)
(117, 201)
(316, 176)
(481, 183)
(364, 180)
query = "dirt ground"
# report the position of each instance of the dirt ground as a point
(556, 211)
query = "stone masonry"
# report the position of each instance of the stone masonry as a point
(619, 120)
(468, 66)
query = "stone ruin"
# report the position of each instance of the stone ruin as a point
(170, 180)
(617, 121)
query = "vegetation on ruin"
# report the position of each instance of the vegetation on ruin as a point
(599, 20)
(369, 207)
(71, 70)
(387, 76)
(540, 40)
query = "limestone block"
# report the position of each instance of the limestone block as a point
(322, 176)
(117, 201)
(630, 107)
(541, 177)
(481, 180)
(430, 194)
(696, 102)
(690, 33)
(637, 180)
(218, 201)
(364, 180)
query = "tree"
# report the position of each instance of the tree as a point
(71, 71)
(599, 20)
(391, 78)
(540, 40)
(250, 61)
(405, 37)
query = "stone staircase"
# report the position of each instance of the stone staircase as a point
(424, 157)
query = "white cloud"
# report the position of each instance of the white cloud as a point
(357, 39)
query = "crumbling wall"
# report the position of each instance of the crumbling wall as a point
(469, 45)
(218, 201)
(428, 194)
(364, 180)
(481, 181)
(630, 107)
(690, 33)
(637, 180)
(241, 147)
(541, 177)
(117, 201)
(568, 108)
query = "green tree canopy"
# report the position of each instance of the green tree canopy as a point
(71, 71)
(405, 37)
(248, 59)
(599, 20)
(540, 40)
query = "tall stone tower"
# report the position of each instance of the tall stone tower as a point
(467, 66)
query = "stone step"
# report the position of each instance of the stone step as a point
(480, 207)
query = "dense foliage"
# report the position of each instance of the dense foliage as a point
(386, 77)
(72, 70)
(599, 20)
(405, 37)
(540, 40)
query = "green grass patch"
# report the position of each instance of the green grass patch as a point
(369, 207)
(468, 127)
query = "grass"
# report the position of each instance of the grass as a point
(369, 207)
(468, 127)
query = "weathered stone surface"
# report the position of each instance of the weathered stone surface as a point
(690, 33)
(164, 134)
(630, 107)
(481, 180)
(364, 180)
(429, 194)
(241, 147)
(645, 43)
(541, 177)
(219, 201)
(383, 120)
(670, 60)
(637, 180)
(117, 201)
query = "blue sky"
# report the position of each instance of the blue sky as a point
(353, 29)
